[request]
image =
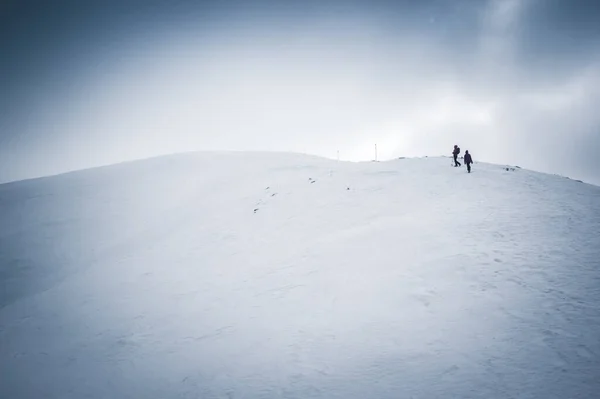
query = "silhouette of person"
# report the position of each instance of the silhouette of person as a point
(468, 160)
(455, 154)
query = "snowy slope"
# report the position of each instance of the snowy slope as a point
(253, 275)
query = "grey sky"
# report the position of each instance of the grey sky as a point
(91, 83)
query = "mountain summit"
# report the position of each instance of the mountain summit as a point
(266, 275)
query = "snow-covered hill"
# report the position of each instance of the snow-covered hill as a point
(258, 275)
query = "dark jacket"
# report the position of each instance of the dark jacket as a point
(468, 159)
(456, 151)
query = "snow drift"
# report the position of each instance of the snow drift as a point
(257, 275)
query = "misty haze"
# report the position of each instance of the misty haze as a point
(317, 199)
(94, 83)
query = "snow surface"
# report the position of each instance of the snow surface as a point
(399, 279)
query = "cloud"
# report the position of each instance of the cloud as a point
(322, 78)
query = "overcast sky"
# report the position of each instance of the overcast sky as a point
(86, 83)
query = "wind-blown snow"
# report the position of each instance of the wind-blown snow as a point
(253, 275)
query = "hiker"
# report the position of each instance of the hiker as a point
(468, 160)
(455, 153)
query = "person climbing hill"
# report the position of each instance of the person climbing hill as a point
(455, 154)
(468, 160)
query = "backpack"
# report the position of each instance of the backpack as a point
(457, 150)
